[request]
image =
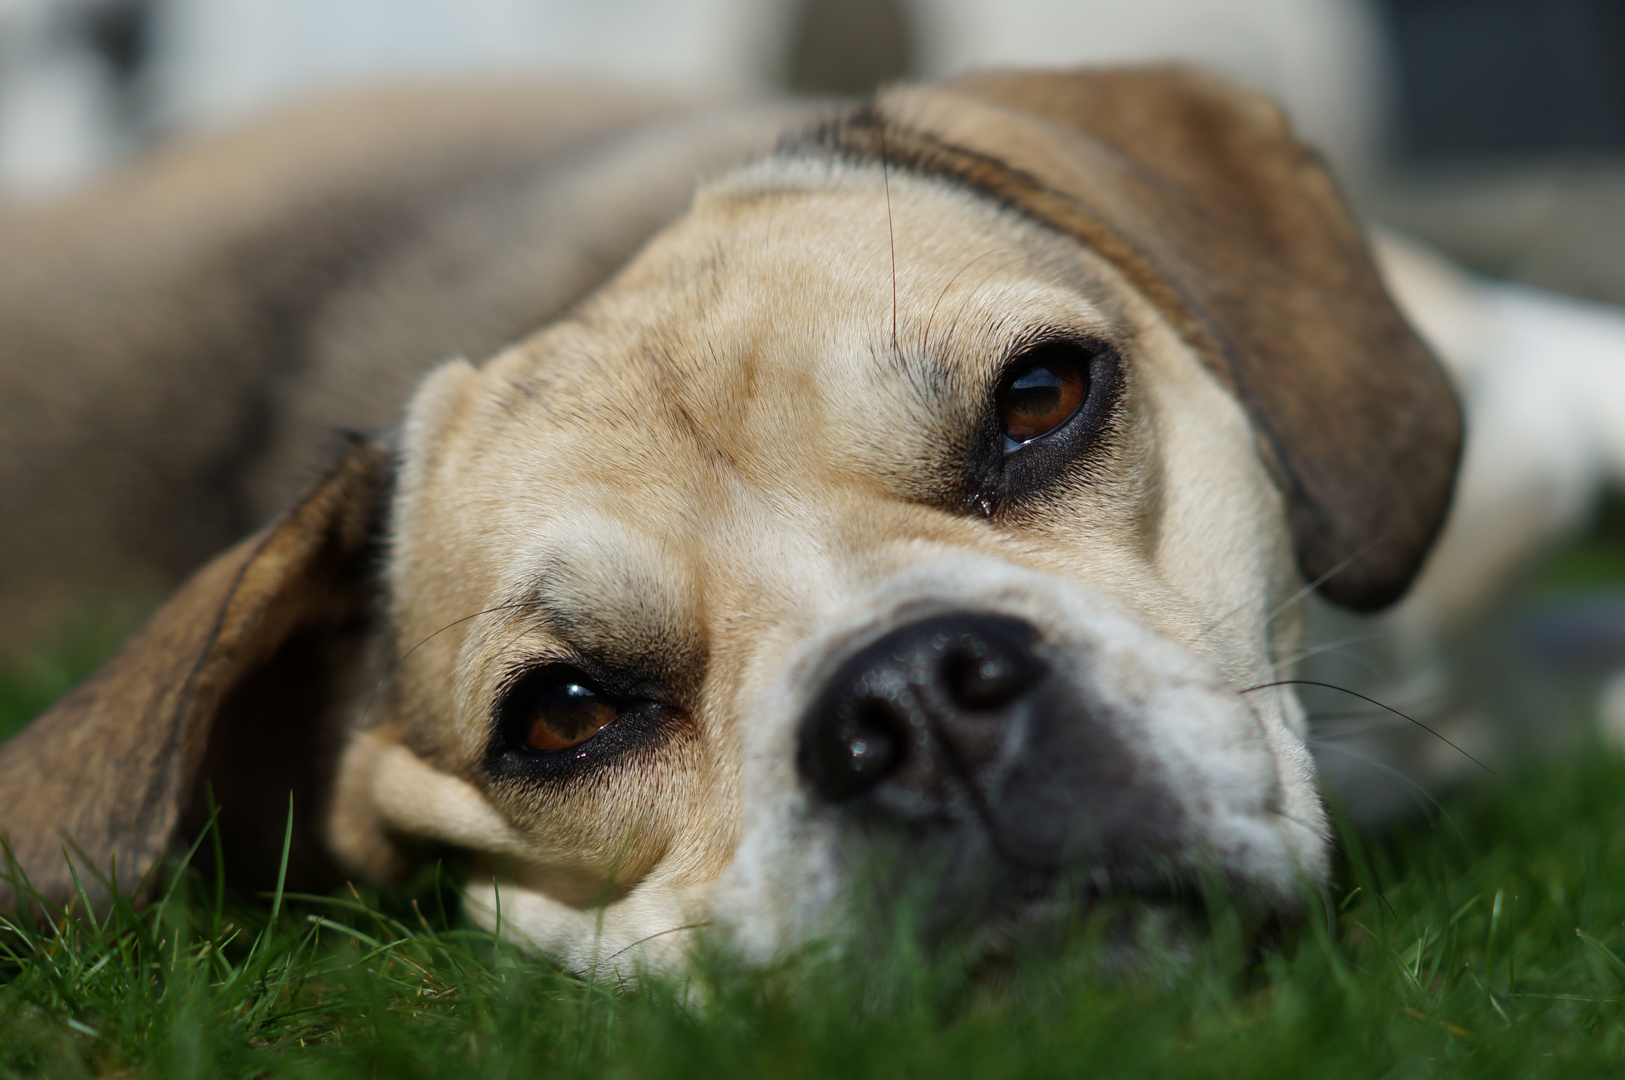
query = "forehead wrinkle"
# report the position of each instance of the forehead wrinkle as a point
(613, 336)
(689, 287)
(965, 358)
(686, 397)
(560, 382)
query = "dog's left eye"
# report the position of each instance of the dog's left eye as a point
(556, 721)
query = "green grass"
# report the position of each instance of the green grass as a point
(29, 683)
(1596, 559)
(1492, 944)
(1493, 952)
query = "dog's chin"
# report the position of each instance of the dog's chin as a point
(1124, 937)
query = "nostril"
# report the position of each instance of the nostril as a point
(852, 749)
(982, 674)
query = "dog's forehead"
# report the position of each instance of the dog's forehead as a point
(805, 322)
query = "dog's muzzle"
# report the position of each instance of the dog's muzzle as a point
(963, 728)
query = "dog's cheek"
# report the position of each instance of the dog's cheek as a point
(1221, 548)
(357, 831)
(1240, 786)
(636, 816)
(786, 880)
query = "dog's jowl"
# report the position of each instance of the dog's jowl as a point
(944, 477)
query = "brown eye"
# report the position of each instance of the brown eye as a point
(1043, 392)
(566, 715)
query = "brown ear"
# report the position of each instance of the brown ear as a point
(1198, 192)
(231, 683)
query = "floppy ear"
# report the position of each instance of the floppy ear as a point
(1198, 192)
(232, 683)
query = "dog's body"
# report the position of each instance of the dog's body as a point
(191, 335)
(950, 472)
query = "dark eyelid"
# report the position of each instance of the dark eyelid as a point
(629, 683)
(662, 666)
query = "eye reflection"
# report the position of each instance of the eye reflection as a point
(567, 715)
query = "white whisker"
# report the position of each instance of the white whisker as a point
(1329, 647)
(1416, 791)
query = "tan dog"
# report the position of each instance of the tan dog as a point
(949, 474)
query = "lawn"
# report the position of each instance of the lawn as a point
(1491, 943)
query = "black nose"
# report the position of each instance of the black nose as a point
(930, 701)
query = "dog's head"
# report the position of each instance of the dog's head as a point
(947, 476)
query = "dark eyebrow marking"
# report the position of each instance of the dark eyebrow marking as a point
(627, 645)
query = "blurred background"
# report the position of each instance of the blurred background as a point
(1492, 130)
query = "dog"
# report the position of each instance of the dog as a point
(947, 473)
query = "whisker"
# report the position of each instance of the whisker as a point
(1417, 792)
(1344, 714)
(1341, 654)
(891, 235)
(1357, 727)
(651, 937)
(1295, 819)
(1380, 705)
(1293, 599)
(1375, 724)
(1358, 723)
(1440, 699)
(1330, 646)
(389, 673)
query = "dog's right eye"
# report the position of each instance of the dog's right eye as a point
(1042, 393)
(1054, 401)
(567, 715)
